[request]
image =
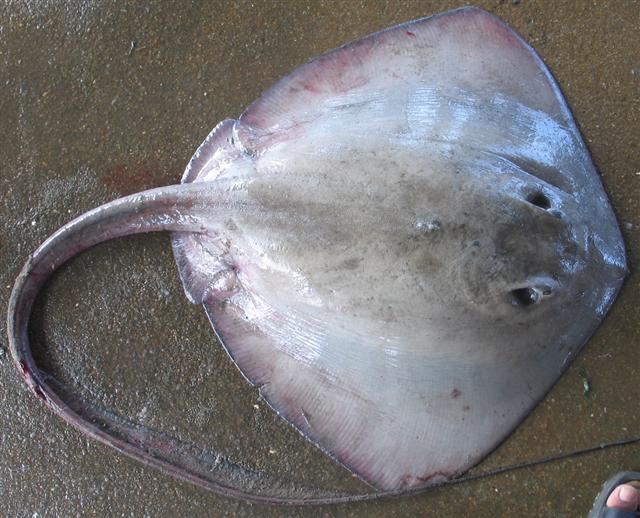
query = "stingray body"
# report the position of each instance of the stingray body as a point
(402, 244)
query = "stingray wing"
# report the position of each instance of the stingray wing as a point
(403, 401)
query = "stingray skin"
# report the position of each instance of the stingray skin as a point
(428, 245)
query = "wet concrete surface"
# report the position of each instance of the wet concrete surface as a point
(101, 99)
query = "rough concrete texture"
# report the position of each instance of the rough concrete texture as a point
(104, 98)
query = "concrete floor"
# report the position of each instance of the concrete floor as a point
(86, 117)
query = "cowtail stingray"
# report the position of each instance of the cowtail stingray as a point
(402, 244)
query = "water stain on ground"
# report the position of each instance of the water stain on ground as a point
(138, 176)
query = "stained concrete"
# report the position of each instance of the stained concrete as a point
(103, 98)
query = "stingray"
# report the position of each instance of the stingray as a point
(402, 244)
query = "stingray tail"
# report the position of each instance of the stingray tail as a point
(184, 208)
(178, 207)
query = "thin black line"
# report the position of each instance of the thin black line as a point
(470, 478)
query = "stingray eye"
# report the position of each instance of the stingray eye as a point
(530, 295)
(525, 296)
(539, 199)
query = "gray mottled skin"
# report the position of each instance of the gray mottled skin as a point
(402, 244)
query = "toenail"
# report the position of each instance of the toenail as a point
(627, 494)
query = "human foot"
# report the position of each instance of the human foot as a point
(619, 497)
(625, 497)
